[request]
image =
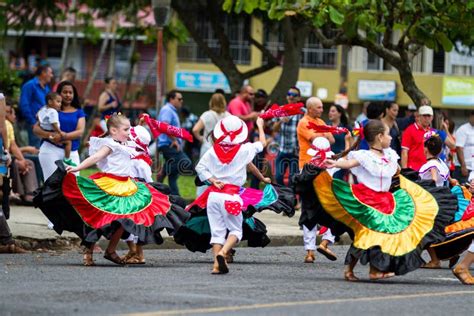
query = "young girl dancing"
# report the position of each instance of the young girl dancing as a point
(108, 203)
(224, 165)
(388, 233)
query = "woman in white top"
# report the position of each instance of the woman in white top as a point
(208, 120)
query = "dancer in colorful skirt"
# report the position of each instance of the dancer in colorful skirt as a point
(436, 170)
(460, 235)
(108, 203)
(309, 219)
(392, 220)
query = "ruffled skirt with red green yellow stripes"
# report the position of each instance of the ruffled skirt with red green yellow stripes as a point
(195, 235)
(459, 234)
(99, 205)
(390, 229)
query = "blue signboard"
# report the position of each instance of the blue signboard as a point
(377, 90)
(200, 81)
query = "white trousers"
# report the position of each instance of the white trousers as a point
(309, 237)
(48, 154)
(220, 220)
(471, 247)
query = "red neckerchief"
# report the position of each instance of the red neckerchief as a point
(226, 152)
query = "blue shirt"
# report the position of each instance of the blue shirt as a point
(168, 114)
(32, 98)
(112, 110)
(68, 122)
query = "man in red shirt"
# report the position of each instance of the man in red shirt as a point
(413, 155)
(241, 106)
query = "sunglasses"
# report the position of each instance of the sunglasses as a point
(292, 94)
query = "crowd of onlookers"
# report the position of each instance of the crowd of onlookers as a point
(33, 159)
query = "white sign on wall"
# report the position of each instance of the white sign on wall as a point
(306, 88)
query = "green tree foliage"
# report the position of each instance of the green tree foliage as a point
(395, 30)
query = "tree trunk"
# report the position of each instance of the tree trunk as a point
(151, 70)
(66, 40)
(98, 62)
(74, 37)
(295, 35)
(132, 61)
(111, 67)
(409, 84)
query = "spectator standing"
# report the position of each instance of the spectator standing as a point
(413, 140)
(338, 118)
(24, 174)
(176, 161)
(72, 120)
(33, 97)
(465, 150)
(69, 74)
(363, 115)
(410, 118)
(261, 100)
(109, 101)
(375, 111)
(7, 244)
(390, 119)
(206, 123)
(241, 106)
(288, 150)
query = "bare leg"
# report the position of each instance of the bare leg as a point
(216, 248)
(110, 253)
(461, 271)
(87, 259)
(349, 271)
(434, 263)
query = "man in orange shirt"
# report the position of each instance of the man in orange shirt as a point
(315, 109)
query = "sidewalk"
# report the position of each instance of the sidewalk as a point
(29, 226)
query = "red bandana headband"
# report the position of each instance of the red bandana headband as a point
(137, 140)
(231, 134)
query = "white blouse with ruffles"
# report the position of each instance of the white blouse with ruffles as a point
(374, 171)
(118, 162)
(441, 169)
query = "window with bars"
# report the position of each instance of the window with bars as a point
(237, 30)
(313, 55)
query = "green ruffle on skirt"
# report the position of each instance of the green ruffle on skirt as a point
(270, 196)
(119, 205)
(394, 223)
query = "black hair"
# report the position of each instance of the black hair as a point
(434, 145)
(297, 89)
(374, 110)
(220, 91)
(70, 69)
(340, 109)
(171, 95)
(107, 80)
(261, 93)
(75, 99)
(40, 69)
(51, 96)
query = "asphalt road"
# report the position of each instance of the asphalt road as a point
(262, 281)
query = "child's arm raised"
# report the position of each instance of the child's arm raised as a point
(91, 160)
(254, 170)
(342, 163)
(261, 133)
